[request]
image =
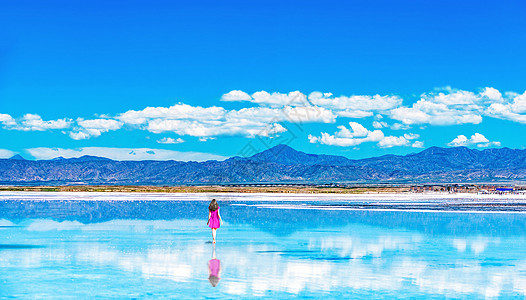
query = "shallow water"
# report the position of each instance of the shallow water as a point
(65, 245)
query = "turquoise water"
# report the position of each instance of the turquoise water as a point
(158, 246)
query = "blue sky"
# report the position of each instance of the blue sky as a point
(207, 79)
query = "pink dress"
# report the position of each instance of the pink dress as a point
(214, 265)
(214, 219)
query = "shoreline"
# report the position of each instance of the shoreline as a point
(274, 189)
(208, 189)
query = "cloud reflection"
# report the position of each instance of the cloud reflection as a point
(355, 258)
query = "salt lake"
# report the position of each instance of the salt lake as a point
(117, 245)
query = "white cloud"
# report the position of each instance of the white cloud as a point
(513, 110)
(519, 104)
(492, 94)
(93, 128)
(272, 130)
(293, 114)
(236, 95)
(348, 137)
(357, 106)
(452, 107)
(100, 124)
(4, 153)
(477, 139)
(123, 154)
(179, 111)
(205, 138)
(356, 102)
(392, 141)
(246, 121)
(418, 144)
(379, 124)
(279, 99)
(440, 107)
(358, 134)
(7, 120)
(295, 98)
(400, 126)
(436, 111)
(79, 135)
(33, 122)
(169, 140)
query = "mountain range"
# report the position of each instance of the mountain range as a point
(280, 164)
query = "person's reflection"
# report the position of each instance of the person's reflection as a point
(214, 268)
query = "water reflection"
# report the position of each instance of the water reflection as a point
(214, 269)
(360, 259)
(363, 254)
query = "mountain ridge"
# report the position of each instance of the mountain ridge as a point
(279, 164)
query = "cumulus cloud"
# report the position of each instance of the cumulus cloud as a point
(400, 126)
(358, 134)
(450, 107)
(356, 102)
(492, 94)
(518, 105)
(293, 114)
(393, 141)
(7, 120)
(295, 98)
(123, 154)
(178, 111)
(439, 110)
(280, 99)
(236, 95)
(356, 106)
(512, 110)
(418, 144)
(33, 122)
(272, 130)
(345, 137)
(93, 128)
(205, 138)
(454, 107)
(4, 153)
(441, 107)
(214, 121)
(477, 139)
(169, 140)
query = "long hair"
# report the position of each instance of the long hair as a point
(213, 205)
(214, 280)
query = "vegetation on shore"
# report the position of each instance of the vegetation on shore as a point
(207, 189)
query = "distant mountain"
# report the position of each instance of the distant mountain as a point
(281, 164)
(17, 157)
(283, 154)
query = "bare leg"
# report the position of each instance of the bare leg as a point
(214, 234)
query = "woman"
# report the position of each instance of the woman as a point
(214, 218)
